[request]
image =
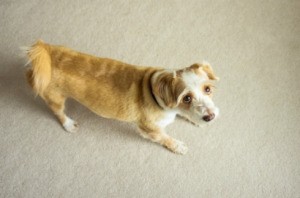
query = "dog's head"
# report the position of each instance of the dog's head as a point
(188, 91)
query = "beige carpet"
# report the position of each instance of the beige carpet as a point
(253, 150)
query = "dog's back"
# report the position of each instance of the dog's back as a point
(107, 87)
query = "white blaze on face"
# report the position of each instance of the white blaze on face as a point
(194, 82)
(202, 104)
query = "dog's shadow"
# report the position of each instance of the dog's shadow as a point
(14, 86)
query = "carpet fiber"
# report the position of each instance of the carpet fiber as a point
(253, 150)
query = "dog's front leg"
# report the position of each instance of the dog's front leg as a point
(156, 134)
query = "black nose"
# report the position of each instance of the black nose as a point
(209, 117)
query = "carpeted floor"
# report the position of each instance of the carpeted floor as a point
(253, 150)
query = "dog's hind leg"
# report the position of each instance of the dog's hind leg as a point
(56, 102)
(156, 134)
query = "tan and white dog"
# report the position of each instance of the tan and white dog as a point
(148, 96)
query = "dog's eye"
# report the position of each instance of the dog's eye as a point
(187, 99)
(207, 89)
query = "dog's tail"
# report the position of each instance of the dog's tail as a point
(39, 75)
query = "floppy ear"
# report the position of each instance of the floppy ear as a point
(205, 67)
(169, 89)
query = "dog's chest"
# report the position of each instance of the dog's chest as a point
(166, 119)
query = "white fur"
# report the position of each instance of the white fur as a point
(180, 147)
(70, 125)
(202, 104)
(194, 82)
(168, 118)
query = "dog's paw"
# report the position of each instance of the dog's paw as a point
(70, 125)
(179, 147)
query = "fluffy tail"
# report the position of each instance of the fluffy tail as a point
(39, 75)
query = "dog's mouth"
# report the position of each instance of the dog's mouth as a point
(195, 120)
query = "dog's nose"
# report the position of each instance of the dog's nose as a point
(209, 117)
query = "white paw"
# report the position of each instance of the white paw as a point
(180, 147)
(70, 125)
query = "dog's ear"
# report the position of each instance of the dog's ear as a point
(169, 88)
(204, 67)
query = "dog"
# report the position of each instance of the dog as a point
(150, 97)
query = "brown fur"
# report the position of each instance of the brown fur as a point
(200, 69)
(169, 89)
(40, 75)
(109, 88)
